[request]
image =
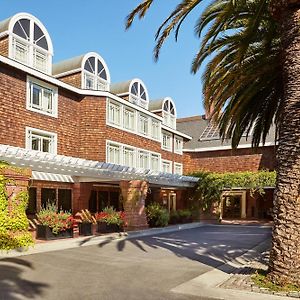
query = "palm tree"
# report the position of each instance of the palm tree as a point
(252, 78)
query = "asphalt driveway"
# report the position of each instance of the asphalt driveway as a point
(140, 268)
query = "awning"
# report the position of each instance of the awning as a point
(82, 168)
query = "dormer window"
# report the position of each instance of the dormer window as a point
(95, 74)
(30, 43)
(138, 94)
(169, 113)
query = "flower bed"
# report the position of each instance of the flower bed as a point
(59, 223)
(110, 220)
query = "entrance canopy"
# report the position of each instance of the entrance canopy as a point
(75, 169)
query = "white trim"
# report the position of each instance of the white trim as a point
(67, 73)
(136, 119)
(29, 80)
(167, 128)
(43, 76)
(24, 15)
(4, 33)
(97, 57)
(36, 175)
(168, 162)
(227, 147)
(162, 141)
(176, 164)
(42, 132)
(136, 152)
(180, 139)
(140, 82)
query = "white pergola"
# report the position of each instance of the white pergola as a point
(61, 168)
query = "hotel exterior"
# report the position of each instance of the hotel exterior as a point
(79, 133)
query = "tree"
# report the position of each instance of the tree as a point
(251, 49)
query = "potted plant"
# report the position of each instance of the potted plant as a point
(85, 221)
(157, 216)
(110, 220)
(53, 224)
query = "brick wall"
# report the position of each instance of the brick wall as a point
(73, 79)
(81, 124)
(230, 160)
(14, 116)
(4, 46)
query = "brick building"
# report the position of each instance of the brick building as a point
(79, 133)
(207, 152)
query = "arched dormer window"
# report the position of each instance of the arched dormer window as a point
(169, 113)
(30, 42)
(138, 93)
(95, 73)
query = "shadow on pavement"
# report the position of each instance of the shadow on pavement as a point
(221, 254)
(13, 286)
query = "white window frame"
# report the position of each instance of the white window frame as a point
(137, 99)
(167, 162)
(132, 150)
(32, 49)
(166, 147)
(141, 126)
(178, 165)
(136, 152)
(132, 115)
(114, 146)
(30, 106)
(112, 118)
(176, 149)
(38, 132)
(158, 128)
(157, 157)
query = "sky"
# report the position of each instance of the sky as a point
(80, 26)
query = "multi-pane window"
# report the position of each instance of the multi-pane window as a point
(41, 140)
(128, 157)
(138, 94)
(155, 130)
(95, 75)
(178, 144)
(30, 45)
(169, 114)
(167, 141)
(114, 154)
(129, 119)
(114, 113)
(143, 159)
(41, 98)
(143, 124)
(178, 168)
(154, 164)
(166, 166)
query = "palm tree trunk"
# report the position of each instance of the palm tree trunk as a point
(285, 253)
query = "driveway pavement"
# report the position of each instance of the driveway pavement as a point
(137, 268)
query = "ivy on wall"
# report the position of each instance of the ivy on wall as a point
(211, 185)
(13, 220)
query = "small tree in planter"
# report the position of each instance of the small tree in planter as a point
(110, 220)
(54, 224)
(85, 221)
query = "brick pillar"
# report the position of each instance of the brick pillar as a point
(134, 193)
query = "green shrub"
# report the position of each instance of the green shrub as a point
(180, 216)
(157, 216)
(14, 224)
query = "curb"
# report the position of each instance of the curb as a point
(57, 245)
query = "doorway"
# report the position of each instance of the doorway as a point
(172, 201)
(232, 206)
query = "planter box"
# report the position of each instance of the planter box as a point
(45, 233)
(105, 228)
(85, 228)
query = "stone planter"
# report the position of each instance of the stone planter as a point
(45, 233)
(107, 228)
(85, 229)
